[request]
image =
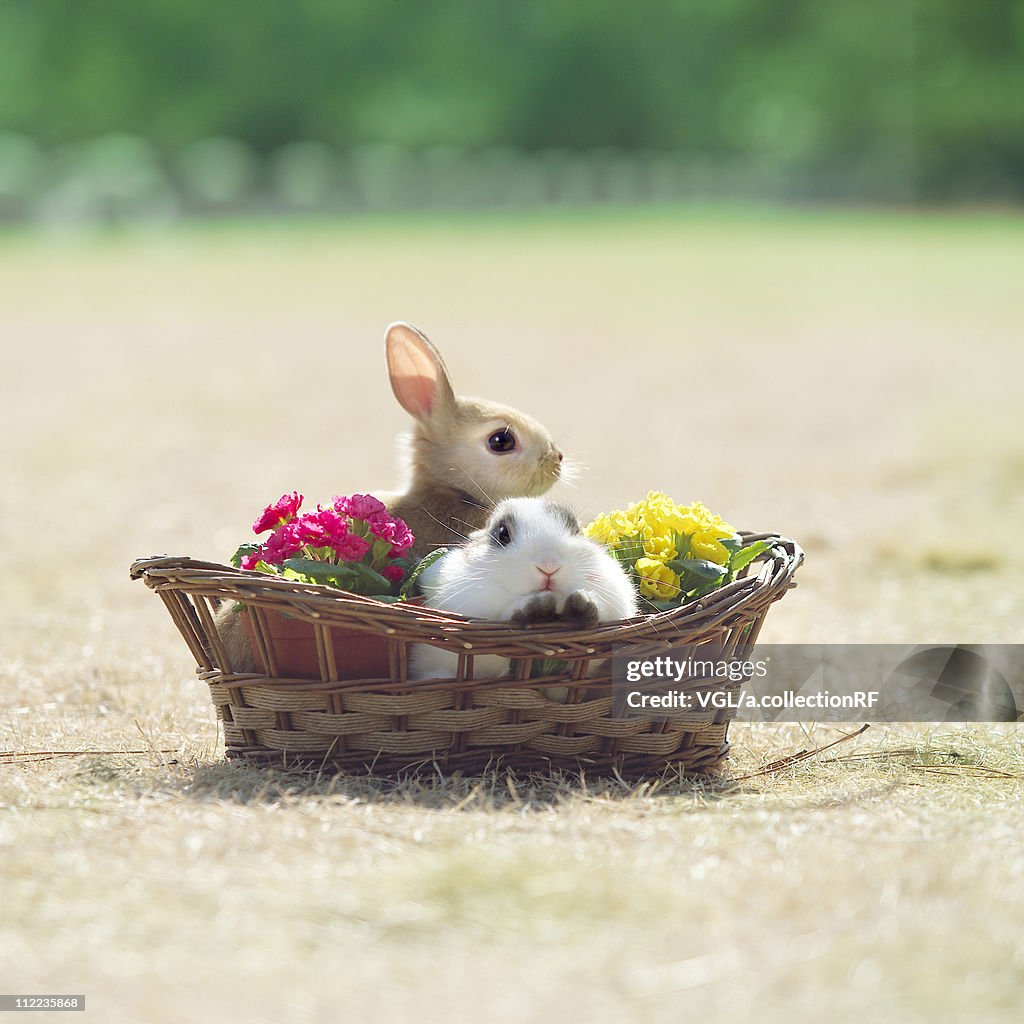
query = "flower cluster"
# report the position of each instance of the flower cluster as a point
(672, 552)
(354, 544)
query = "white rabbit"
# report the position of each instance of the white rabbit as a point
(530, 563)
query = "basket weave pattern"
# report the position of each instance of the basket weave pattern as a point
(390, 723)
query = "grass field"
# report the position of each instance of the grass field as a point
(854, 381)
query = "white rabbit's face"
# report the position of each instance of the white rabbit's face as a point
(532, 545)
(529, 546)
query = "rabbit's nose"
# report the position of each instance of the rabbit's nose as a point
(560, 455)
(548, 569)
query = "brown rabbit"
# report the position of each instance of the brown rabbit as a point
(464, 454)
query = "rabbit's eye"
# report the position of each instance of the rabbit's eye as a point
(503, 535)
(501, 442)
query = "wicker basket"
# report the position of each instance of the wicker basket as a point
(389, 724)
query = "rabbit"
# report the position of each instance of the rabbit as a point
(234, 638)
(463, 454)
(530, 563)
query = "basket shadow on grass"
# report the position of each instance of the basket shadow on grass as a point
(502, 788)
(875, 772)
(195, 776)
(242, 784)
(239, 782)
(497, 788)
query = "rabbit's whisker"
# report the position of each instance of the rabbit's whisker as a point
(474, 482)
(570, 472)
(444, 526)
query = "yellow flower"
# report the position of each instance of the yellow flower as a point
(602, 530)
(656, 579)
(705, 545)
(612, 527)
(659, 546)
(654, 514)
(705, 529)
(626, 524)
(709, 518)
(689, 523)
(658, 520)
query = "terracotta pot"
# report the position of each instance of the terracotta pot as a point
(356, 655)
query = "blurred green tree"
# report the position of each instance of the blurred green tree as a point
(863, 98)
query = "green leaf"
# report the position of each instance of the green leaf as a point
(548, 667)
(368, 582)
(409, 586)
(627, 551)
(746, 555)
(682, 544)
(309, 570)
(704, 590)
(243, 550)
(699, 567)
(731, 544)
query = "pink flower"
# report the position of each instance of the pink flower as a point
(334, 525)
(393, 530)
(351, 548)
(359, 506)
(332, 533)
(381, 525)
(394, 573)
(403, 539)
(284, 542)
(320, 529)
(280, 512)
(312, 533)
(249, 561)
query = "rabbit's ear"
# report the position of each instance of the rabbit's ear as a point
(418, 375)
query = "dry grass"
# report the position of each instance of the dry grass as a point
(160, 389)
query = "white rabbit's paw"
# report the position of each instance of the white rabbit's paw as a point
(581, 608)
(541, 607)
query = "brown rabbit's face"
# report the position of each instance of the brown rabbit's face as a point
(493, 452)
(487, 450)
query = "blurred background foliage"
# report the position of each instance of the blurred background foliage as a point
(117, 109)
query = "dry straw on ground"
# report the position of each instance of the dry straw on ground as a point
(876, 370)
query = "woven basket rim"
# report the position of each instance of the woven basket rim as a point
(321, 603)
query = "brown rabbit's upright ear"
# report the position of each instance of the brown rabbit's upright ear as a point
(418, 375)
